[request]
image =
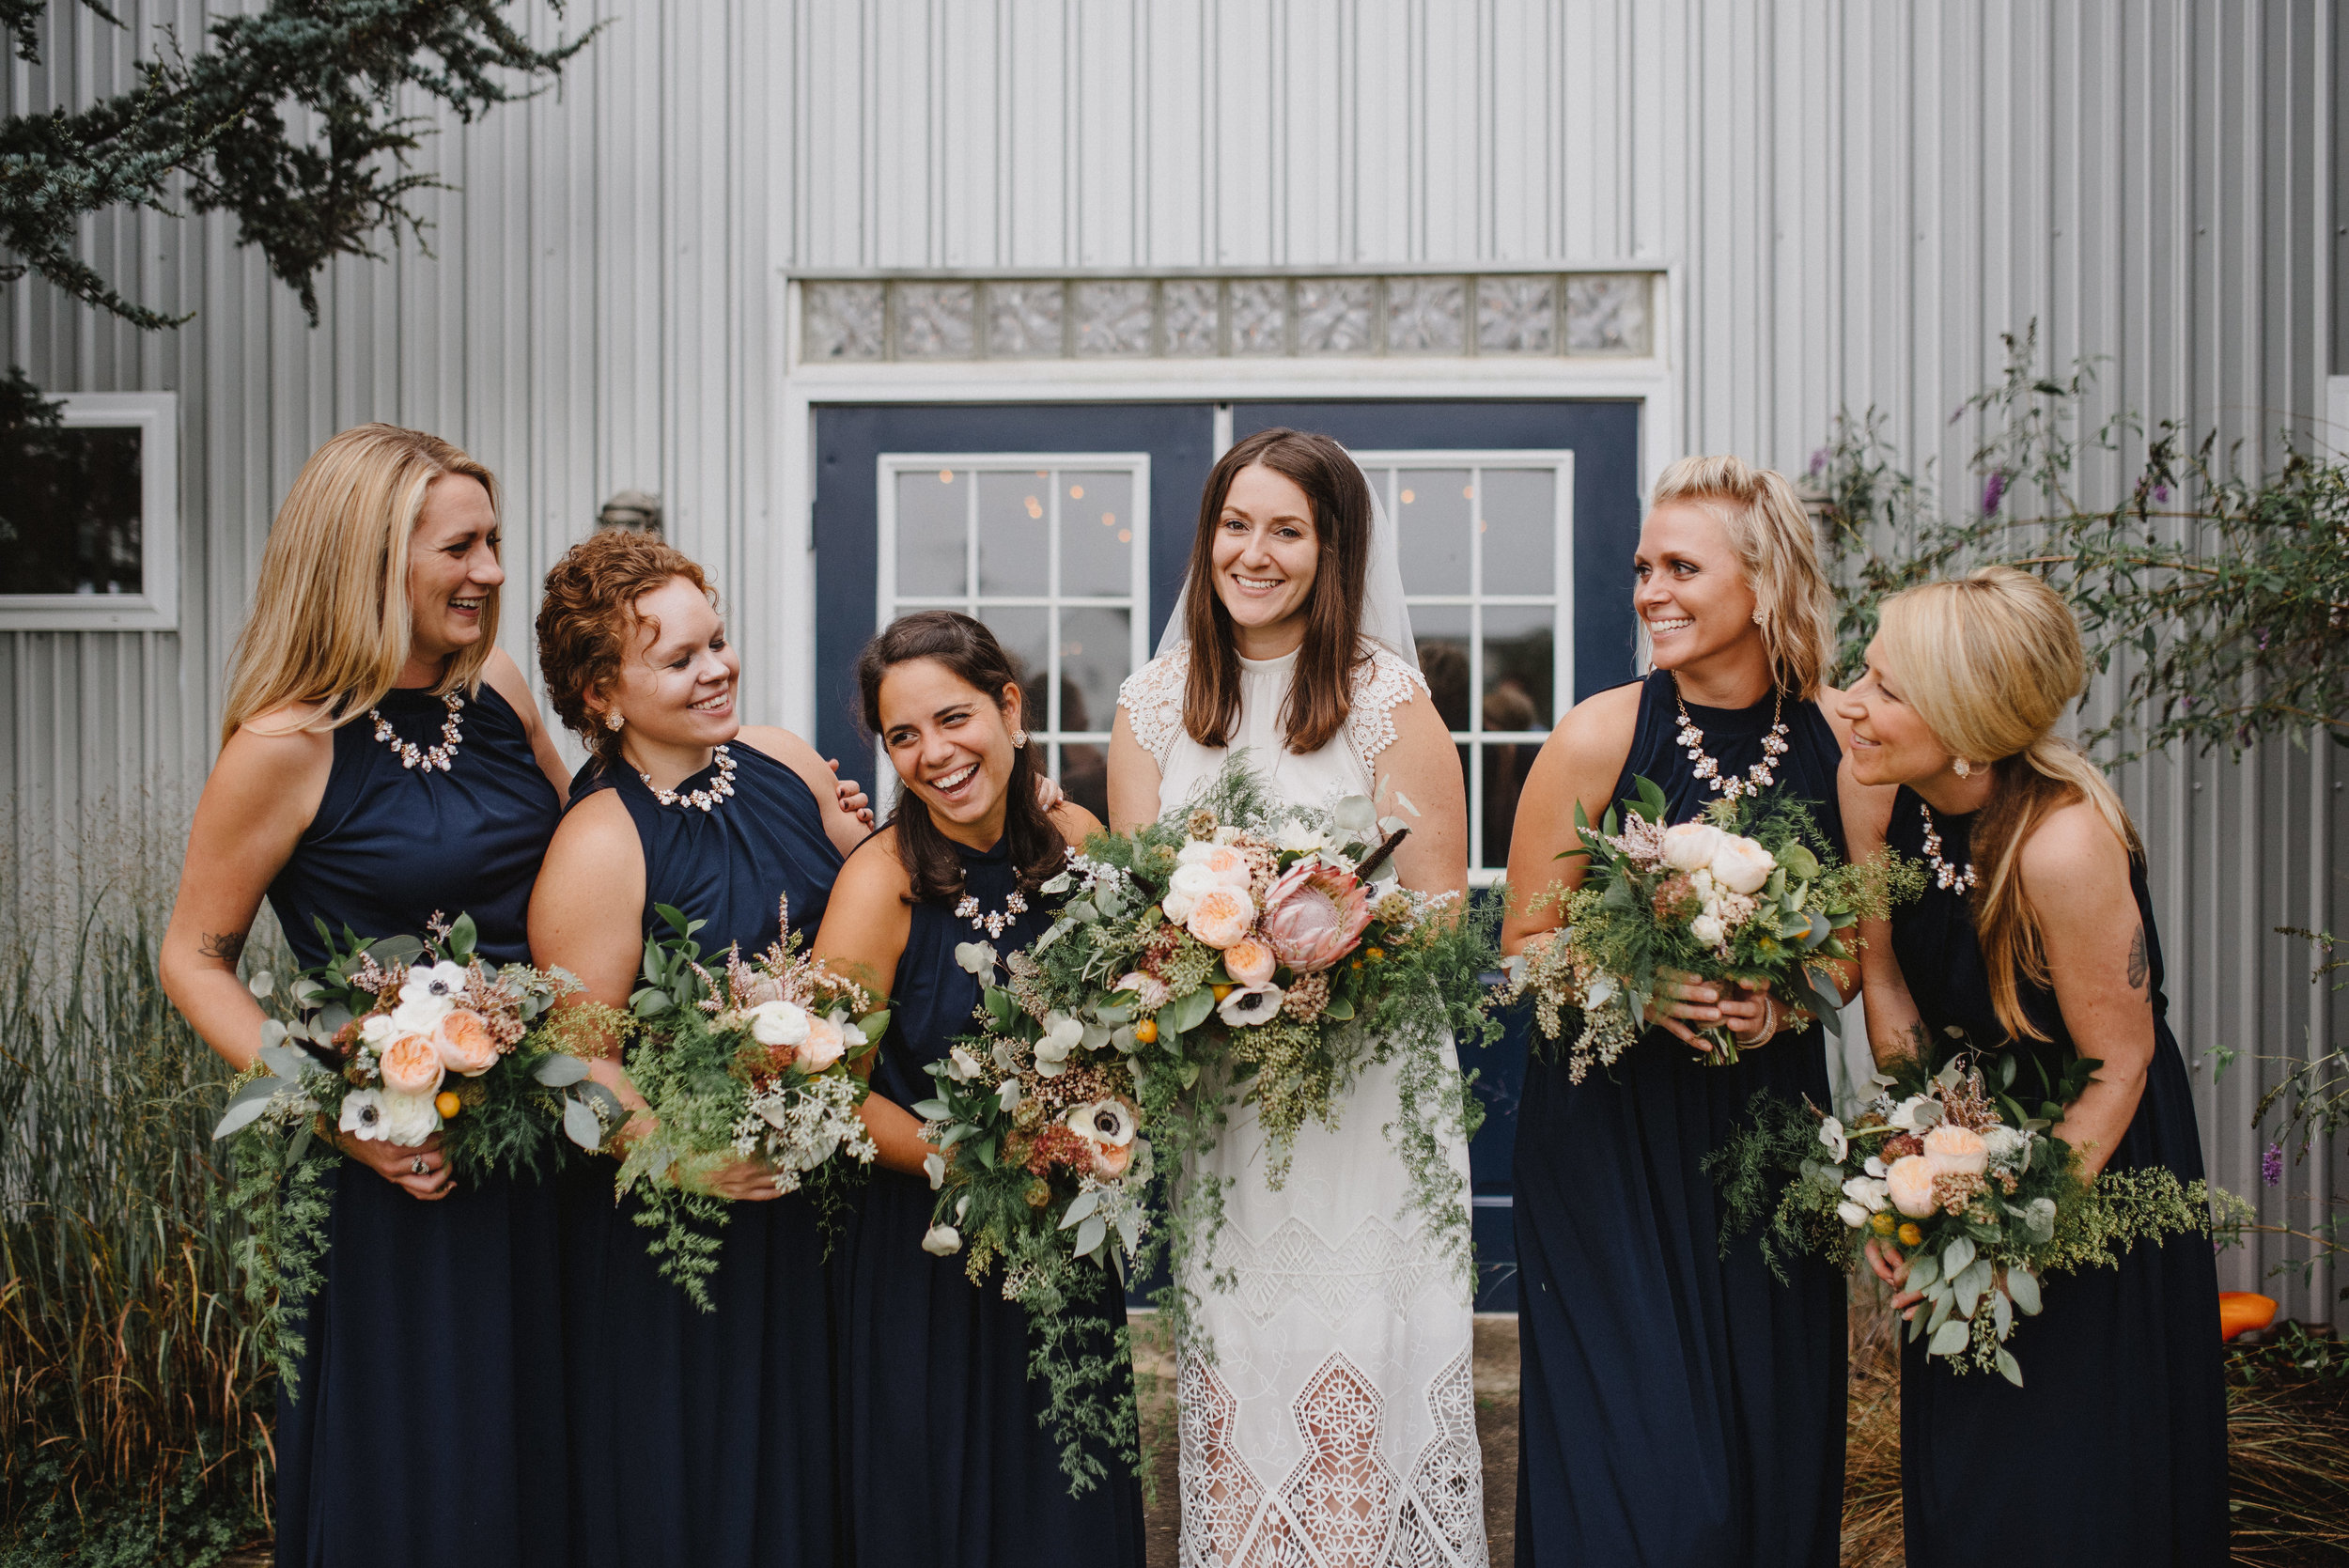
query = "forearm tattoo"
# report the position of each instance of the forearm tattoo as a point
(228, 946)
(2138, 966)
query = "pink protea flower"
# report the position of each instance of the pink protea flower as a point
(1314, 915)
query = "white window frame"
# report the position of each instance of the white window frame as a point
(1560, 598)
(156, 606)
(889, 603)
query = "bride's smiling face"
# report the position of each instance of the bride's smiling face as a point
(1265, 550)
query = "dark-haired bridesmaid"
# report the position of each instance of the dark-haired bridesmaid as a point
(382, 761)
(698, 1438)
(1680, 1403)
(2036, 937)
(947, 1463)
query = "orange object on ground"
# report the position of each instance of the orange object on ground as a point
(2241, 1310)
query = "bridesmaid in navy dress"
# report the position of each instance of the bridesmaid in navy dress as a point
(698, 1438)
(1679, 1406)
(947, 1465)
(2114, 1449)
(378, 766)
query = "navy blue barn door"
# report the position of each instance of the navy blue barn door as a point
(1519, 571)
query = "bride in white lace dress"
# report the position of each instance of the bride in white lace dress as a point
(1333, 1422)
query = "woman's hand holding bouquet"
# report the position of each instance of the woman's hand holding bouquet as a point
(465, 1068)
(1750, 896)
(748, 1091)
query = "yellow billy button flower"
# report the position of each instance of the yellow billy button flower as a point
(1373, 954)
(1881, 1222)
(1910, 1235)
(1147, 1031)
(1221, 991)
(448, 1104)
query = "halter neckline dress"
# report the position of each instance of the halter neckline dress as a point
(1337, 1420)
(430, 1415)
(2114, 1449)
(1677, 1406)
(705, 1439)
(947, 1463)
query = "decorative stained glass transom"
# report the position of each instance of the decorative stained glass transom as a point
(1577, 315)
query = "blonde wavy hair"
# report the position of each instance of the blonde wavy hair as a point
(1989, 661)
(1778, 550)
(330, 622)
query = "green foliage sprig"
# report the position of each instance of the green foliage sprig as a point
(2222, 593)
(710, 1084)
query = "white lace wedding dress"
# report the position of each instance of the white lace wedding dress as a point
(1335, 1424)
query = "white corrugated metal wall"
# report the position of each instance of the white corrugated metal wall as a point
(1854, 199)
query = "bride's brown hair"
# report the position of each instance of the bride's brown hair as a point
(1320, 696)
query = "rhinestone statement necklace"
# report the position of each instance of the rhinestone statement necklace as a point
(1944, 874)
(701, 800)
(426, 757)
(1759, 777)
(993, 920)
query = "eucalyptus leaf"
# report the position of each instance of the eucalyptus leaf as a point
(2001, 1312)
(1974, 1284)
(1949, 1338)
(931, 1109)
(1956, 1256)
(246, 1106)
(273, 1032)
(1082, 1208)
(285, 1061)
(582, 1125)
(463, 937)
(1923, 1272)
(1188, 1012)
(2024, 1287)
(604, 1101)
(2009, 1368)
(559, 1069)
(1090, 1235)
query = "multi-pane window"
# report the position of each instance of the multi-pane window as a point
(1488, 569)
(1051, 553)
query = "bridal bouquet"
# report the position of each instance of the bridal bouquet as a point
(749, 1065)
(1750, 894)
(1235, 947)
(1979, 1196)
(396, 1039)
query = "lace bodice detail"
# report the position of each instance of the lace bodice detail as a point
(1153, 695)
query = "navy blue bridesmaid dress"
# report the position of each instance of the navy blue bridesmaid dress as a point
(1678, 1406)
(705, 1439)
(947, 1465)
(427, 1425)
(2115, 1448)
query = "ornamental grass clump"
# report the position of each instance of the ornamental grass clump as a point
(134, 1401)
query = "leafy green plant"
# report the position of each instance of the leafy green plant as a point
(2220, 593)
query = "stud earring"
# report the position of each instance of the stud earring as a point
(1960, 767)
(1760, 618)
(1019, 739)
(612, 721)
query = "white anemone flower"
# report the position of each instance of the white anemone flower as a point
(1831, 1134)
(443, 980)
(1109, 1121)
(1251, 1005)
(362, 1114)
